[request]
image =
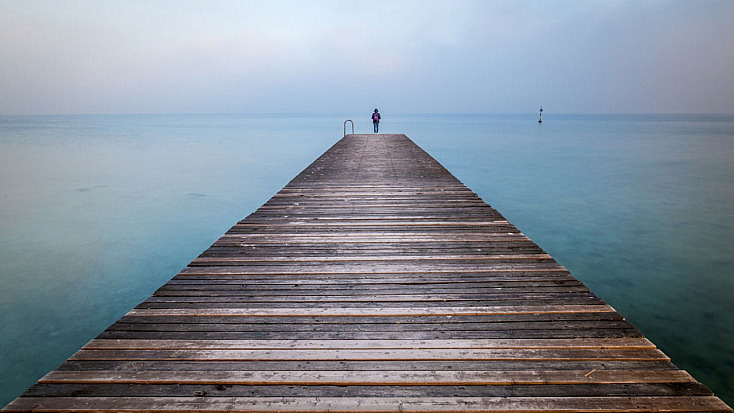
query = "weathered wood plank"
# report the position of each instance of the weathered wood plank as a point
(499, 257)
(383, 269)
(398, 327)
(627, 342)
(371, 311)
(374, 404)
(365, 365)
(427, 291)
(369, 335)
(424, 284)
(276, 390)
(361, 321)
(377, 354)
(372, 378)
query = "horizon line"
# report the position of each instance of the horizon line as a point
(545, 113)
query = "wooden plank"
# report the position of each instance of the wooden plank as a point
(453, 218)
(391, 327)
(330, 283)
(220, 260)
(372, 311)
(393, 300)
(229, 302)
(375, 354)
(245, 288)
(364, 365)
(345, 241)
(382, 269)
(370, 335)
(461, 322)
(424, 391)
(364, 405)
(377, 224)
(460, 283)
(375, 235)
(372, 378)
(374, 298)
(355, 280)
(590, 343)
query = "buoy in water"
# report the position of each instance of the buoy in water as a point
(540, 117)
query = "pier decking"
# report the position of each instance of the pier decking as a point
(375, 281)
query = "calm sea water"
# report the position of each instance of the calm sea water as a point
(96, 212)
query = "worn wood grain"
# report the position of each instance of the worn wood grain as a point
(373, 404)
(372, 378)
(625, 342)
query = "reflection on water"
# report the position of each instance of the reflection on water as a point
(96, 212)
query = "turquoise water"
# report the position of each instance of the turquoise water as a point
(96, 212)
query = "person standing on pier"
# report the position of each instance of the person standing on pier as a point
(376, 120)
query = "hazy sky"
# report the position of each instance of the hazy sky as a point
(343, 56)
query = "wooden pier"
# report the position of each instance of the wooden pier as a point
(375, 281)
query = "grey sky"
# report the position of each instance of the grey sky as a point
(402, 56)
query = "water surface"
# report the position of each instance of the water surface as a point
(96, 212)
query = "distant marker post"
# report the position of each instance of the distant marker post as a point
(540, 117)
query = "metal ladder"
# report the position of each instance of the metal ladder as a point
(345, 126)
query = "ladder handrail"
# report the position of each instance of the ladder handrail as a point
(345, 126)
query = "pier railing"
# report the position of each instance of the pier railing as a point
(345, 126)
